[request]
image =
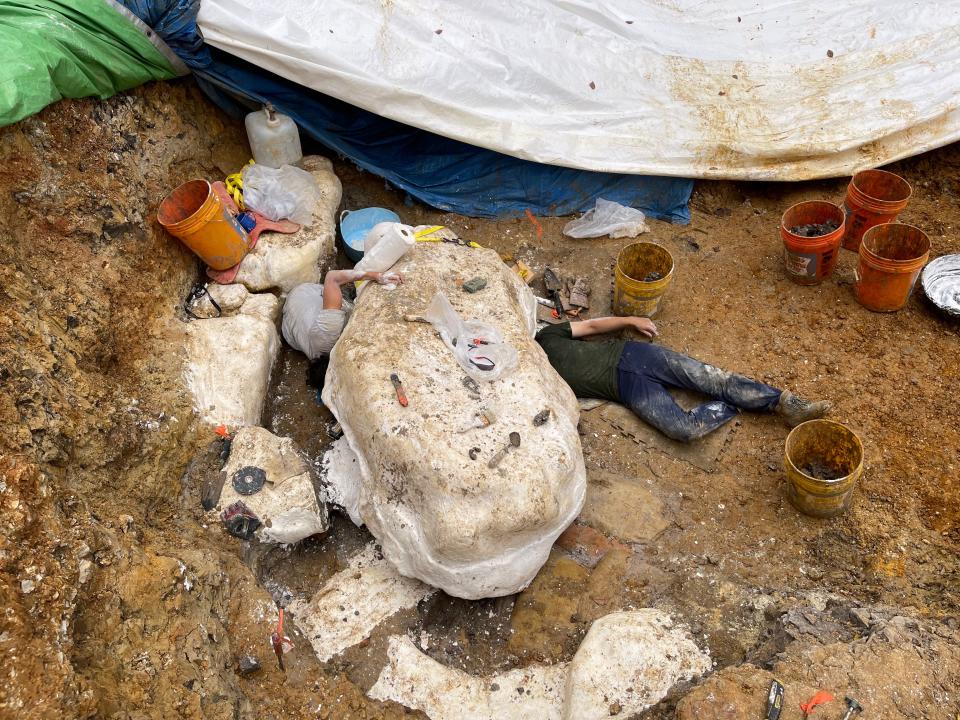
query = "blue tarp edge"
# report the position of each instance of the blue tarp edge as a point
(447, 174)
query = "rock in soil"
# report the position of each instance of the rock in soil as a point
(815, 229)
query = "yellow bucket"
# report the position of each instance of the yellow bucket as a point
(632, 294)
(194, 214)
(823, 461)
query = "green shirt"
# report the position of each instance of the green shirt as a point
(589, 368)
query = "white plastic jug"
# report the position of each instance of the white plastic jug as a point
(386, 243)
(274, 139)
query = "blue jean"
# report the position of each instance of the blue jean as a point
(646, 371)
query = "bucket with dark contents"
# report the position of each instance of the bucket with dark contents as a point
(823, 461)
(811, 233)
(643, 273)
(874, 197)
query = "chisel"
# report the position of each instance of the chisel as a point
(398, 386)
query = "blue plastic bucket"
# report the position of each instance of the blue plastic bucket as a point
(355, 224)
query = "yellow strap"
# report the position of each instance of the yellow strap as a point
(421, 235)
(234, 183)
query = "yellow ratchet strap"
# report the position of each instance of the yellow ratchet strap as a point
(425, 236)
(234, 183)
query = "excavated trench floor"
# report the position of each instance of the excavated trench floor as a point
(726, 555)
(124, 601)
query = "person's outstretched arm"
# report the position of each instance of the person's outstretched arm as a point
(333, 295)
(598, 326)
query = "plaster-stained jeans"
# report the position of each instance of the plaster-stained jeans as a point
(646, 371)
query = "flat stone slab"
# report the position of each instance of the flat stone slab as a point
(704, 453)
(622, 507)
(413, 679)
(627, 662)
(354, 601)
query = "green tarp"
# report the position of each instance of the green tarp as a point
(52, 49)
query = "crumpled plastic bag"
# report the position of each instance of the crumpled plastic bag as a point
(478, 347)
(607, 218)
(281, 193)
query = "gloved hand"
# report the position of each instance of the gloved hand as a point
(388, 278)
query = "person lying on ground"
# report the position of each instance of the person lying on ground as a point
(314, 315)
(638, 374)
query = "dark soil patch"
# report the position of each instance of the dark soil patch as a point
(821, 472)
(811, 230)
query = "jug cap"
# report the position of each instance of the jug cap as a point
(271, 112)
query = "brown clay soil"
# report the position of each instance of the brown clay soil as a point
(121, 601)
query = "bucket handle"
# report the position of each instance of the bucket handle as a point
(343, 214)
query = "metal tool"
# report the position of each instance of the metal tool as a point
(226, 444)
(280, 642)
(472, 386)
(398, 386)
(774, 701)
(481, 419)
(428, 235)
(853, 707)
(249, 480)
(553, 285)
(514, 443)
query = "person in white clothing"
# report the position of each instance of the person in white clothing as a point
(314, 315)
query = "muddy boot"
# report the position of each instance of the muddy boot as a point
(795, 410)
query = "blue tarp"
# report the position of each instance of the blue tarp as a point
(444, 173)
(175, 21)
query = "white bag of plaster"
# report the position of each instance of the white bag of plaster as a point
(423, 489)
(607, 218)
(478, 346)
(281, 193)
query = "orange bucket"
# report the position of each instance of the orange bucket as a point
(809, 260)
(891, 258)
(194, 214)
(874, 197)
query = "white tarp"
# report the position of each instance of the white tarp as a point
(744, 89)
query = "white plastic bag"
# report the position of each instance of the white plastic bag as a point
(478, 347)
(278, 193)
(607, 218)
